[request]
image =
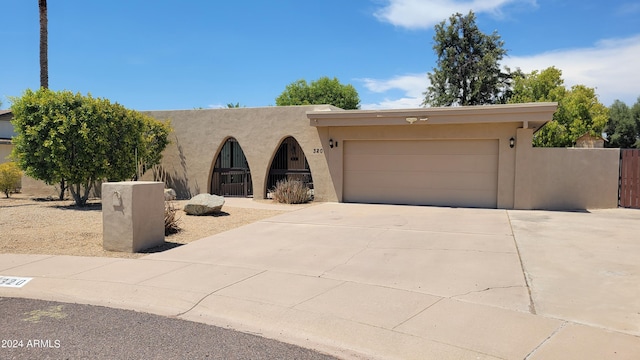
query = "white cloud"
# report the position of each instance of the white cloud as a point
(420, 14)
(410, 85)
(610, 66)
(402, 103)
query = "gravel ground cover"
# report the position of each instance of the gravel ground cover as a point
(51, 227)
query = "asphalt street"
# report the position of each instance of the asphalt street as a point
(34, 329)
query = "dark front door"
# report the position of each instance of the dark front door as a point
(231, 173)
(289, 163)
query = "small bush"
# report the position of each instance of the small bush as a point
(10, 178)
(171, 220)
(291, 192)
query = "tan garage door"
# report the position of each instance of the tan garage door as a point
(429, 172)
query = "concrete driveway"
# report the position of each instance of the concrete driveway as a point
(583, 266)
(383, 281)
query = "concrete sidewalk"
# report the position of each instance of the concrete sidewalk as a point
(382, 281)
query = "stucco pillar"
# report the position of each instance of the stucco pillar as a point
(132, 215)
(523, 176)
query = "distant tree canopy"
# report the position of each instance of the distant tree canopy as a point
(623, 128)
(321, 91)
(538, 86)
(468, 67)
(62, 135)
(579, 110)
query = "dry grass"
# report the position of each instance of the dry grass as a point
(45, 227)
(291, 192)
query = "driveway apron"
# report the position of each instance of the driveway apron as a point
(381, 281)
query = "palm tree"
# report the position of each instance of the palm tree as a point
(44, 63)
(44, 59)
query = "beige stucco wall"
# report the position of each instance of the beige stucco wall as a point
(132, 215)
(30, 186)
(417, 131)
(200, 134)
(36, 188)
(5, 151)
(574, 178)
(528, 178)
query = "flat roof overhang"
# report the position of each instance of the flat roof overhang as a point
(530, 115)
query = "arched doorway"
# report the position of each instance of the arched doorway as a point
(289, 163)
(231, 175)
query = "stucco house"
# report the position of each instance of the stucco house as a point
(6, 133)
(589, 141)
(478, 156)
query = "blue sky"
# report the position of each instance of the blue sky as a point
(160, 55)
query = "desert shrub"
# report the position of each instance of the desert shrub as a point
(171, 219)
(10, 178)
(291, 192)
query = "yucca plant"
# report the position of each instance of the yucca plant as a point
(171, 219)
(291, 192)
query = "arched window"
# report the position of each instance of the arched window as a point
(231, 174)
(289, 163)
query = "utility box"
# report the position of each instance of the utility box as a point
(132, 215)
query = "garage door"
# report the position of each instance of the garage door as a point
(430, 172)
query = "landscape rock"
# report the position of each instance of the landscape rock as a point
(204, 204)
(169, 194)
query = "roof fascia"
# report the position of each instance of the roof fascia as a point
(533, 115)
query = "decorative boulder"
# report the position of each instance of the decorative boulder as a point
(169, 194)
(204, 204)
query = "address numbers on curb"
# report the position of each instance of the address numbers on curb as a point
(13, 282)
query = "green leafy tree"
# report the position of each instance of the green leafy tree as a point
(233, 106)
(579, 110)
(10, 177)
(62, 135)
(468, 68)
(623, 127)
(322, 91)
(296, 93)
(538, 86)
